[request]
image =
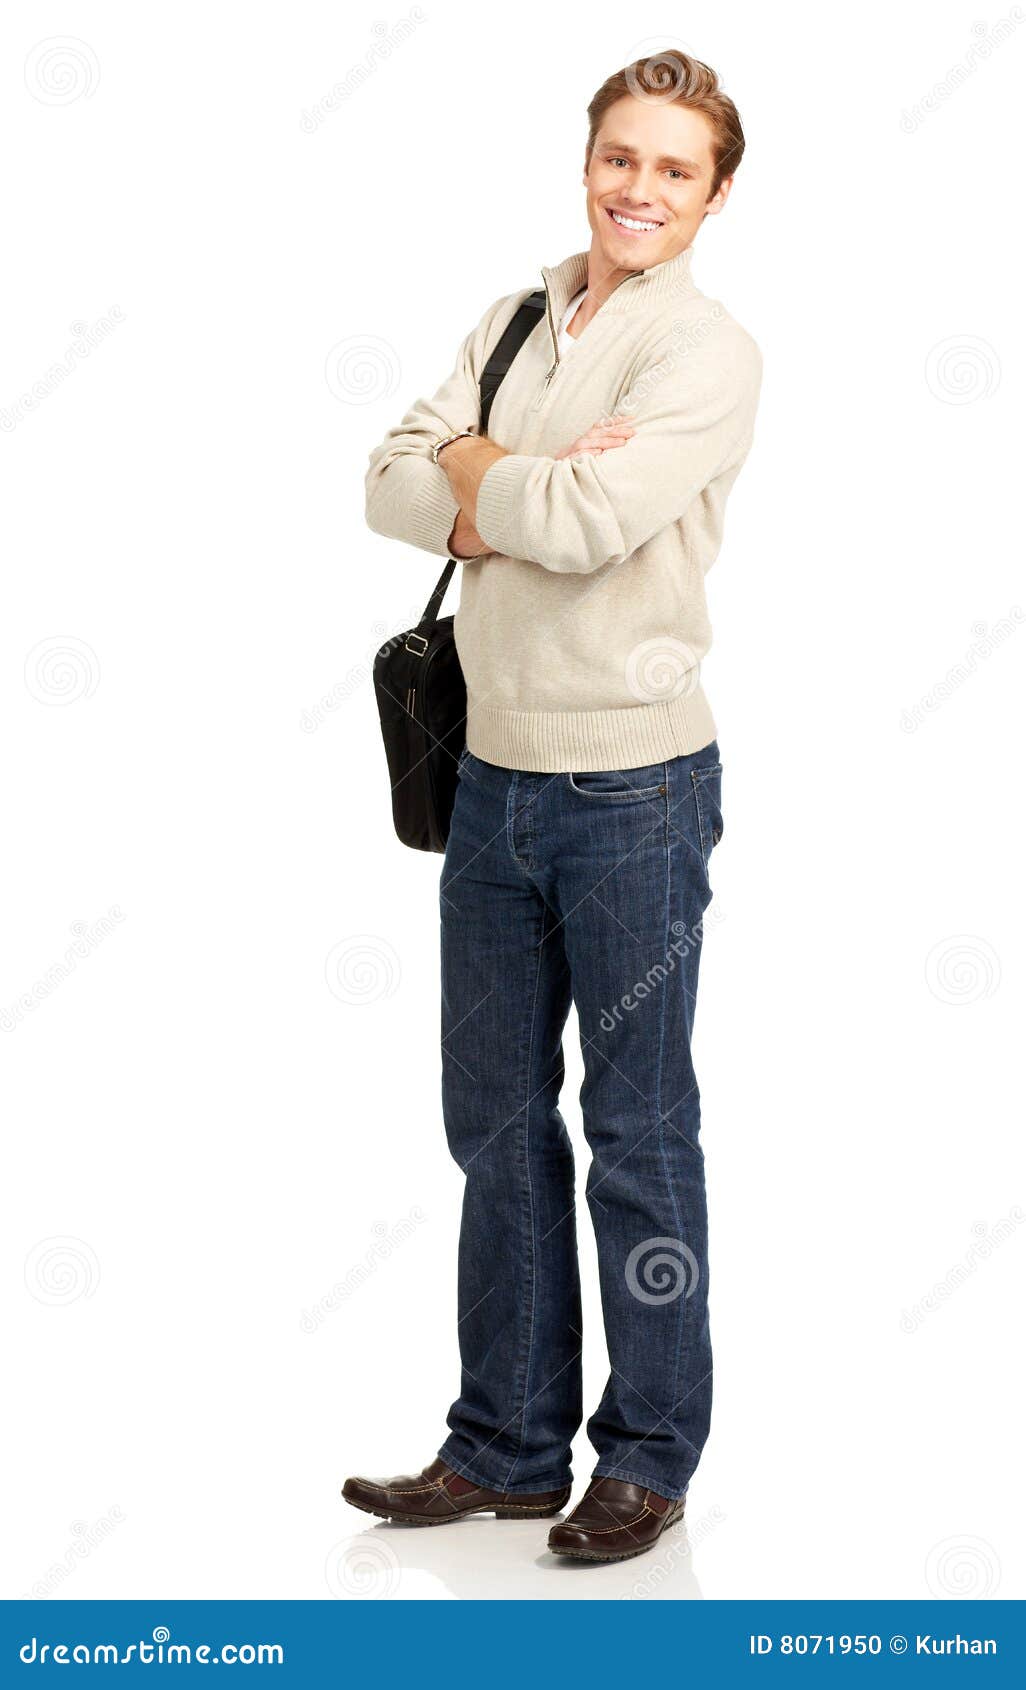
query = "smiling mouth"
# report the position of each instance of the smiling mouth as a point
(633, 225)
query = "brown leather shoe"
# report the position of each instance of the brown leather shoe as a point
(438, 1495)
(613, 1521)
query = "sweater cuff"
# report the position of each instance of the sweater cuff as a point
(434, 510)
(500, 497)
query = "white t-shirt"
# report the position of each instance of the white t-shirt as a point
(565, 340)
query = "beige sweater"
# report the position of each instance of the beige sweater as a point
(581, 632)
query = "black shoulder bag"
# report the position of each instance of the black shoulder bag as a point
(421, 693)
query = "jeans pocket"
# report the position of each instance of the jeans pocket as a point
(646, 782)
(706, 784)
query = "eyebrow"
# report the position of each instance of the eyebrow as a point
(621, 147)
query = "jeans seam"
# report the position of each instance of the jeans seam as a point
(530, 1200)
(682, 1329)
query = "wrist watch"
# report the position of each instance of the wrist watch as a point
(449, 438)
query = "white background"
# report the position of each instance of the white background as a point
(217, 1136)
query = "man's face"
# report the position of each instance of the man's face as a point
(652, 165)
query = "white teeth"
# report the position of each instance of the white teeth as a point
(630, 223)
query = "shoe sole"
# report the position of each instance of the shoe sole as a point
(460, 1514)
(623, 1554)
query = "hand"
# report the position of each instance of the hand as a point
(601, 437)
(465, 541)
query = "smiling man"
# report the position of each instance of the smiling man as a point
(577, 866)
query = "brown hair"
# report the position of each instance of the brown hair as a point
(673, 77)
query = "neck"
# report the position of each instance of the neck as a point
(602, 279)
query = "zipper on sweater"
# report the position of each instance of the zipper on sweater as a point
(539, 402)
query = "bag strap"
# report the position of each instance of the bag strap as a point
(509, 344)
(524, 319)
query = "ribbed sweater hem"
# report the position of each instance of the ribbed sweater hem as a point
(563, 741)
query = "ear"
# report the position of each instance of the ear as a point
(720, 197)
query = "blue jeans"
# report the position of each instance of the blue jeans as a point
(590, 887)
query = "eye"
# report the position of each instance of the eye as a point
(618, 161)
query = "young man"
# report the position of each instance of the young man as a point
(587, 809)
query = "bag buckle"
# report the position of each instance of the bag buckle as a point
(412, 648)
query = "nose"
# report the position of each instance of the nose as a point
(641, 190)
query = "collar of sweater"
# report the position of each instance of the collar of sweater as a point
(660, 282)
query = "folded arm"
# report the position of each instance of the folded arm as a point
(693, 417)
(408, 497)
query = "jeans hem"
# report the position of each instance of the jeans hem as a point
(610, 1470)
(536, 1487)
